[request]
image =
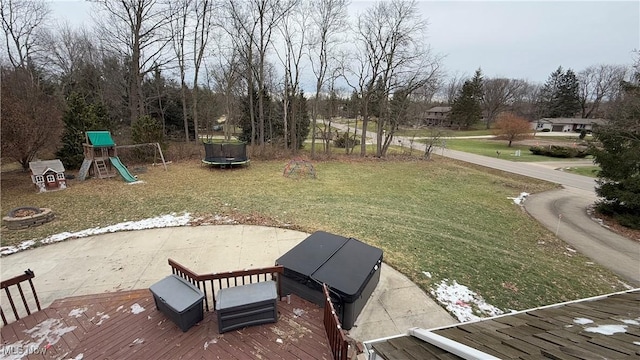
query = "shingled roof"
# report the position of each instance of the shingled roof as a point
(41, 167)
(605, 327)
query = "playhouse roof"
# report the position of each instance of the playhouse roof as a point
(42, 167)
(100, 138)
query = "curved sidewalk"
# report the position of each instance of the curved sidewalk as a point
(136, 259)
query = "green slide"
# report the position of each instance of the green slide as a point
(126, 175)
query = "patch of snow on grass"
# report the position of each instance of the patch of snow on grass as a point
(582, 321)
(520, 199)
(463, 303)
(136, 308)
(627, 286)
(607, 329)
(162, 221)
(427, 274)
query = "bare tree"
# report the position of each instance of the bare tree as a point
(453, 87)
(392, 33)
(70, 54)
(435, 138)
(227, 78)
(293, 28)
(253, 24)
(328, 17)
(499, 94)
(597, 84)
(204, 11)
(178, 24)
(138, 30)
(512, 128)
(31, 118)
(21, 21)
(525, 101)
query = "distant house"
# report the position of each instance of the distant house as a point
(437, 116)
(565, 124)
(48, 175)
(603, 327)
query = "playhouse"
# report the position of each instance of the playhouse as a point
(48, 175)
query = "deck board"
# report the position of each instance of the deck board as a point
(104, 326)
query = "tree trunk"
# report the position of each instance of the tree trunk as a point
(365, 122)
(183, 95)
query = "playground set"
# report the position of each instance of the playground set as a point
(101, 157)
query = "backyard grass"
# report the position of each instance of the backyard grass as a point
(591, 171)
(451, 219)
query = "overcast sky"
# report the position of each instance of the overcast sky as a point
(515, 39)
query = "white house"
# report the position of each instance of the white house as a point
(565, 124)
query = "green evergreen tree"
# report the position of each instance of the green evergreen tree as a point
(559, 95)
(378, 99)
(274, 122)
(79, 117)
(619, 158)
(353, 105)
(466, 109)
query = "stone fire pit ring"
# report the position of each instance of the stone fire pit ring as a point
(26, 217)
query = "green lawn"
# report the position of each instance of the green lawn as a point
(451, 219)
(491, 147)
(591, 171)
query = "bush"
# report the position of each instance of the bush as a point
(583, 134)
(559, 151)
(346, 140)
(617, 212)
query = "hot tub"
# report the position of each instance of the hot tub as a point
(349, 267)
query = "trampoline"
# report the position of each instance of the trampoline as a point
(224, 154)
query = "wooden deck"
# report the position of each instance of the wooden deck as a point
(126, 325)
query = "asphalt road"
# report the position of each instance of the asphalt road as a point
(617, 253)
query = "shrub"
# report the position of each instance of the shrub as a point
(583, 134)
(346, 140)
(559, 151)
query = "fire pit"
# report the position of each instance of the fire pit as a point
(26, 217)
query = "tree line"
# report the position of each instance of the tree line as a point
(180, 65)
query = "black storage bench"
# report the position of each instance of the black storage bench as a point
(246, 305)
(179, 300)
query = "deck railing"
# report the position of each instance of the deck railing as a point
(209, 284)
(16, 281)
(337, 339)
